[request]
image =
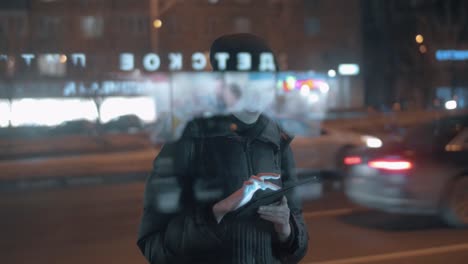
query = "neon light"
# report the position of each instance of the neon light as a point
(244, 61)
(290, 83)
(198, 61)
(348, 69)
(152, 61)
(451, 55)
(267, 62)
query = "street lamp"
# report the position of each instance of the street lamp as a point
(419, 39)
(157, 23)
(423, 49)
(63, 58)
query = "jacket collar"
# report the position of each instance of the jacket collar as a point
(223, 126)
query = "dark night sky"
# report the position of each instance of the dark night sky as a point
(14, 4)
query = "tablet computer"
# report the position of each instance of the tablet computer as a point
(265, 198)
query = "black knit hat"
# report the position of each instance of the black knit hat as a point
(236, 43)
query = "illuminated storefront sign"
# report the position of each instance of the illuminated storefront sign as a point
(152, 61)
(78, 59)
(60, 89)
(107, 88)
(451, 55)
(348, 69)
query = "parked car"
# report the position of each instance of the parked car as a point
(75, 127)
(124, 124)
(425, 173)
(317, 147)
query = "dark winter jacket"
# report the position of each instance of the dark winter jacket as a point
(211, 161)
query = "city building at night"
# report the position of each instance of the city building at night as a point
(415, 53)
(75, 48)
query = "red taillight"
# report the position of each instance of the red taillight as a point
(352, 160)
(393, 165)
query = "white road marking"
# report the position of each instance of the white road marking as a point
(329, 212)
(396, 255)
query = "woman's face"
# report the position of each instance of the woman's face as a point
(247, 117)
(229, 98)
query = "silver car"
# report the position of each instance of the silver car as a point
(425, 173)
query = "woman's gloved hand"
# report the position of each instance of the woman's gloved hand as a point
(278, 214)
(242, 196)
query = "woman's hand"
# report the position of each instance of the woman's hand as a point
(278, 214)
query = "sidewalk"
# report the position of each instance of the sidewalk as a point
(11, 149)
(38, 173)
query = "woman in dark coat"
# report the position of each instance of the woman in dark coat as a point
(195, 207)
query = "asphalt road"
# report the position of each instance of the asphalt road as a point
(99, 224)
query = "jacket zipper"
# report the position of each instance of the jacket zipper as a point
(247, 155)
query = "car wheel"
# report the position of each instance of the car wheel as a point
(455, 211)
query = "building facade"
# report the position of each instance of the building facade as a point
(54, 40)
(414, 52)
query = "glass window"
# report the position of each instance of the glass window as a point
(3, 26)
(92, 26)
(242, 25)
(311, 26)
(52, 65)
(48, 26)
(20, 26)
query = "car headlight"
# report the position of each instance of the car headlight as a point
(372, 142)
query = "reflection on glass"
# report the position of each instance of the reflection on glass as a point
(4, 113)
(143, 107)
(50, 112)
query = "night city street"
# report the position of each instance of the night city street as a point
(99, 225)
(233, 131)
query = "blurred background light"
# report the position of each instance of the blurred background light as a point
(313, 98)
(323, 86)
(372, 142)
(143, 107)
(52, 65)
(157, 23)
(423, 49)
(51, 111)
(348, 69)
(290, 82)
(305, 90)
(447, 55)
(4, 113)
(419, 38)
(450, 105)
(331, 73)
(63, 58)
